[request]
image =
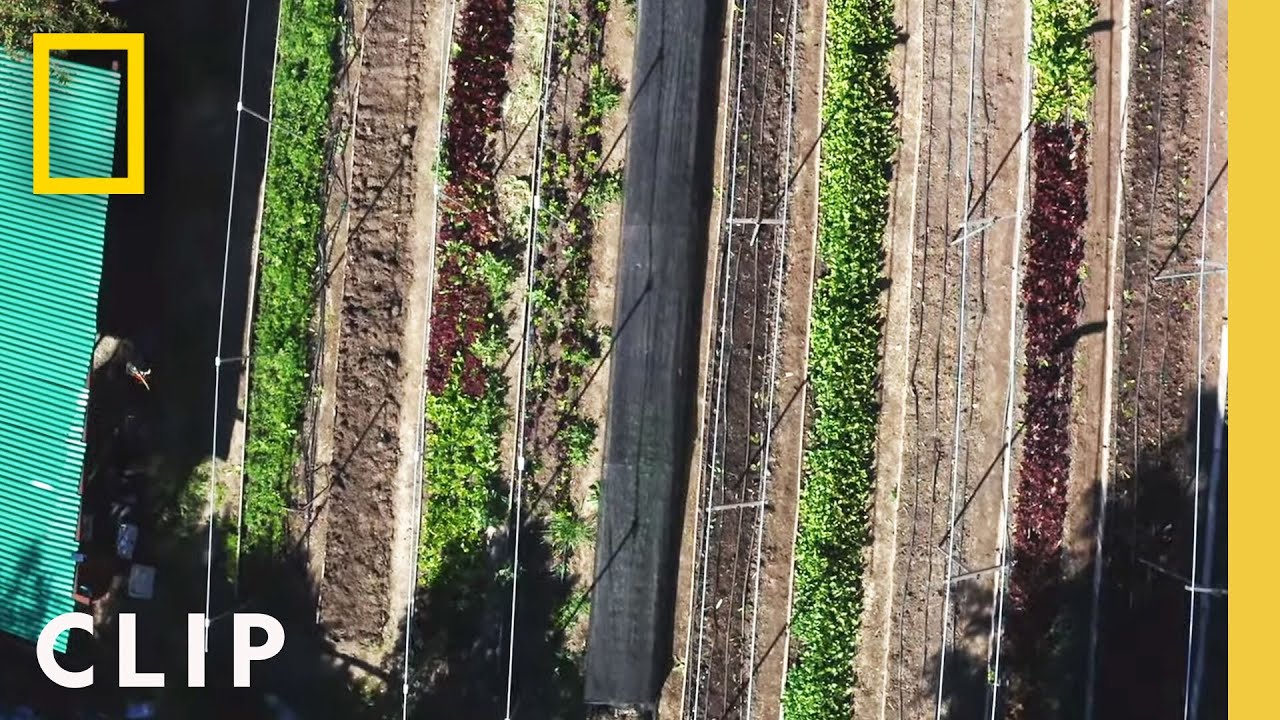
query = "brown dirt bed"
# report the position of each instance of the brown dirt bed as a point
(903, 631)
(376, 352)
(1142, 647)
(765, 266)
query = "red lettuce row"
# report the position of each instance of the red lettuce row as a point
(1052, 301)
(463, 304)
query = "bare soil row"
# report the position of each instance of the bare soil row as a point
(375, 351)
(949, 460)
(1144, 612)
(736, 576)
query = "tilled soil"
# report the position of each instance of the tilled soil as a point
(1144, 615)
(745, 516)
(380, 270)
(948, 461)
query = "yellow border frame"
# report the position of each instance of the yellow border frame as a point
(1252, 630)
(133, 181)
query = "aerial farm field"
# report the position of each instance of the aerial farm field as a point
(953, 373)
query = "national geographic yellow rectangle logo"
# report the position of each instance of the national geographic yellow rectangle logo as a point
(44, 43)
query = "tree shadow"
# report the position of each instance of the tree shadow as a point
(965, 692)
(1145, 606)
(461, 638)
(1142, 642)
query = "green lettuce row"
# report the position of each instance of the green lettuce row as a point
(1062, 59)
(834, 530)
(293, 215)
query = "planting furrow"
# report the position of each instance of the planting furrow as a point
(739, 490)
(933, 640)
(1144, 611)
(376, 351)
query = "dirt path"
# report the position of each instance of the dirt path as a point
(381, 318)
(950, 460)
(1092, 392)
(773, 635)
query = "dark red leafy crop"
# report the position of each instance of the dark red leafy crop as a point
(468, 226)
(1052, 299)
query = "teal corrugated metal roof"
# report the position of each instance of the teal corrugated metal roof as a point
(50, 262)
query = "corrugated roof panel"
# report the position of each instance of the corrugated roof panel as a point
(50, 264)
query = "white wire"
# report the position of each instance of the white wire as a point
(960, 322)
(724, 330)
(423, 437)
(994, 644)
(222, 306)
(1195, 484)
(783, 233)
(1211, 522)
(535, 204)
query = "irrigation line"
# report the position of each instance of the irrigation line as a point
(1187, 711)
(423, 436)
(721, 383)
(960, 322)
(222, 307)
(996, 640)
(535, 204)
(1146, 263)
(744, 489)
(1108, 365)
(783, 233)
(1211, 523)
(718, 381)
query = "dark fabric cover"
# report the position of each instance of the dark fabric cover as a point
(661, 271)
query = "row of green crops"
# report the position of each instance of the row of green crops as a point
(466, 408)
(1062, 59)
(857, 149)
(463, 462)
(567, 343)
(293, 215)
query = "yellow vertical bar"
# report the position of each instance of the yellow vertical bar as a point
(40, 113)
(134, 52)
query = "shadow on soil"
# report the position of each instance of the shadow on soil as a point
(461, 640)
(1142, 638)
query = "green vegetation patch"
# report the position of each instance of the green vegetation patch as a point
(1062, 59)
(292, 221)
(464, 464)
(858, 147)
(19, 19)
